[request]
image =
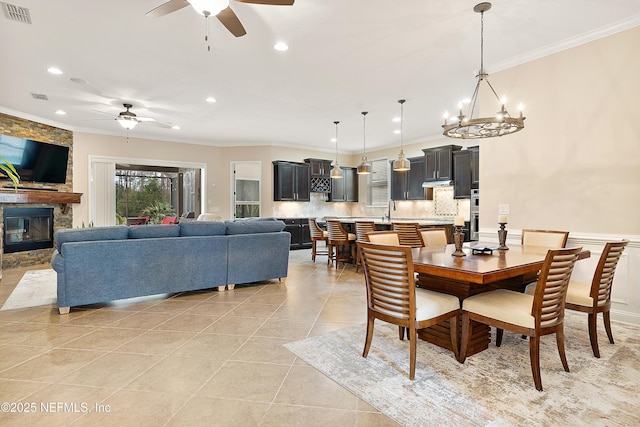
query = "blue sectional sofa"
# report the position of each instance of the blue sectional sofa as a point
(102, 264)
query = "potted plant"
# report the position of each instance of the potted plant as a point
(7, 168)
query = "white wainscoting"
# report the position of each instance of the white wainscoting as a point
(625, 296)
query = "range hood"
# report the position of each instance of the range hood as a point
(431, 184)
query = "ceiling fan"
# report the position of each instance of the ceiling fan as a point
(218, 8)
(129, 120)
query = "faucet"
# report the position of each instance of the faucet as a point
(388, 215)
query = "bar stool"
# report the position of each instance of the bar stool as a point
(408, 233)
(338, 237)
(317, 235)
(362, 228)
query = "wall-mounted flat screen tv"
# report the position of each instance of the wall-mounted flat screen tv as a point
(35, 161)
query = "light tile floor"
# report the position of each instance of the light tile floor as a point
(201, 358)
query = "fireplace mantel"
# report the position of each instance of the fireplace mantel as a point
(9, 195)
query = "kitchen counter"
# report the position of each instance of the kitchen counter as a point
(379, 221)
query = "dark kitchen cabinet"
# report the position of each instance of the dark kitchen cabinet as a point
(345, 189)
(320, 171)
(466, 172)
(475, 167)
(407, 185)
(291, 181)
(300, 234)
(462, 174)
(439, 162)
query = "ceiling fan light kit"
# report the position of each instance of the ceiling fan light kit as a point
(209, 7)
(127, 119)
(465, 126)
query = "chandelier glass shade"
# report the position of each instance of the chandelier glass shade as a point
(364, 168)
(401, 163)
(336, 171)
(465, 126)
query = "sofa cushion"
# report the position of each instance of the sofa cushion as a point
(253, 226)
(153, 231)
(118, 232)
(202, 228)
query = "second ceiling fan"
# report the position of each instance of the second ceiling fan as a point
(219, 8)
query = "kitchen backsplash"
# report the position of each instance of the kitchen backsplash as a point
(443, 205)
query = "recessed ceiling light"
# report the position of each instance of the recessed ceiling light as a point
(60, 112)
(396, 120)
(210, 99)
(281, 46)
(333, 140)
(54, 70)
(176, 127)
(397, 131)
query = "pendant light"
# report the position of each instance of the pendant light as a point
(336, 171)
(401, 163)
(364, 168)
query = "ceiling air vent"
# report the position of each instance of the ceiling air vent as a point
(40, 96)
(16, 13)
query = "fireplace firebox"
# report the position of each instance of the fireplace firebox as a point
(27, 229)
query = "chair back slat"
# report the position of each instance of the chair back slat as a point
(408, 233)
(551, 292)
(362, 228)
(433, 236)
(315, 230)
(603, 277)
(546, 238)
(336, 232)
(383, 238)
(389, 279)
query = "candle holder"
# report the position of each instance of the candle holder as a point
(458, 238)
(502, 237)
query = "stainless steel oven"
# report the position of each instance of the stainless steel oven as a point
(474, 217)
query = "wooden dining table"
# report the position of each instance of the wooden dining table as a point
(472, 274)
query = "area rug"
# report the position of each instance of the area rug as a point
(36, 288)
(492, 388)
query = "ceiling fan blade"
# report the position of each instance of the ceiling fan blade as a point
(270, 2)
(231, 21)
(145, 119)
(167, 8)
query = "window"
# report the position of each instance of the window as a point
(378, 183)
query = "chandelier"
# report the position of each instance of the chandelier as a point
(465, 126)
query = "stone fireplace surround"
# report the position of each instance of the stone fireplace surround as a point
(32, 194)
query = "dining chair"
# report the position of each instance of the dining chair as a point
(408, 233)
(393, 298)
(433, 236)
(338, 237)
(546, 238)
(362, 228)
(595, 297)
(530, 315)
(317, 235)
(384, 237)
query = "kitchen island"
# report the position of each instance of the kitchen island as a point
(384, 224)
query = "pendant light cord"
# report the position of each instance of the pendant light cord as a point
(336, 123)
(364, 132)
(402, 101)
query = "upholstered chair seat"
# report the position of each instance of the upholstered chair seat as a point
(503, 305)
